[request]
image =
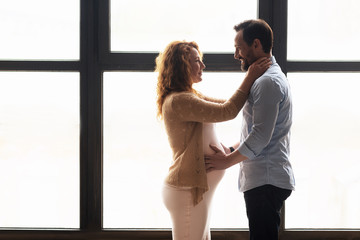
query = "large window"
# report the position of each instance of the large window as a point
(82, 155)
(40, 115)
(39, 149)
(325, 135)
(208, 23)
(39, 29)
(329, 31)
(325, 143)
(133, 169)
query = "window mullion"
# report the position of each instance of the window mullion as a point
(90, 119)
(274, 12)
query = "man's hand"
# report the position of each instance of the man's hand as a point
(220, 160)
(216, 161)
(226, 149)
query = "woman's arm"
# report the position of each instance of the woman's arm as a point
(254, 72)
(190, 107)
(211, 99)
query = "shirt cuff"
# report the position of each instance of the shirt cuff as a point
(244, 150)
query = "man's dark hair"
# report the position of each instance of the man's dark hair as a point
(257, 29)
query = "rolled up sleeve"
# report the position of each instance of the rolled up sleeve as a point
(267, 96)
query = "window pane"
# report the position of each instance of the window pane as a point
(39, 150)
(325, 151)
(323, 30)
(39, 29)
(143, 25)
(137, 154)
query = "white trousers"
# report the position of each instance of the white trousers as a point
(191, 222)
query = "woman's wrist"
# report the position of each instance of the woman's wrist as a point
(247, 84)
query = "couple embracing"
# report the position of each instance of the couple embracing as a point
(199, 159)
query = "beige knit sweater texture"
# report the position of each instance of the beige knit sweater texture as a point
(184, 114)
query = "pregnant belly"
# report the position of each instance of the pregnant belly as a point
(209, 137)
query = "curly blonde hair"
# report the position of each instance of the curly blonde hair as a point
(174, 68)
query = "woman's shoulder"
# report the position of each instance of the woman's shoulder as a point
(177, 100)
(182, 94)
(179, 96)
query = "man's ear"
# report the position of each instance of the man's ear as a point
(257, 43)
(257, 46)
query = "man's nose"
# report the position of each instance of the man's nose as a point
(237, 56)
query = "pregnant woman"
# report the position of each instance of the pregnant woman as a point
(188, 118)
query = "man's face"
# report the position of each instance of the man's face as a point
(243, 52)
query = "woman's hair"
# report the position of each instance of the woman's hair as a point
(174, 68)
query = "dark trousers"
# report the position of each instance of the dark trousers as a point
(263, 205)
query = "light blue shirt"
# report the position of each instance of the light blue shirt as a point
(265, 136)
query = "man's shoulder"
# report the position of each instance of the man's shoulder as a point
(270, 83)
(266, 80)
(273, 75)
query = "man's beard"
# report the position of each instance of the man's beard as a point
(244, 65)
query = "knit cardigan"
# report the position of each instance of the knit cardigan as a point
(184, 114)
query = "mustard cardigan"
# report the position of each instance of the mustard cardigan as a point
(184, 114)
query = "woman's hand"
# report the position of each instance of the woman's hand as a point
(258, 68)
(255, 70)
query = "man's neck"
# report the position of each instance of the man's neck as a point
(268, 55)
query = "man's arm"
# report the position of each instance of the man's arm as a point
(219, 160)
(267, 95)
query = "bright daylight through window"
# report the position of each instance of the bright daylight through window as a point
(39, 149)
(29, 36)
(208, 23)
(40, 128)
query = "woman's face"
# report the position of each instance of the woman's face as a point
(196, 66)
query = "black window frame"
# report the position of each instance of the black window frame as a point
(95, 59)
